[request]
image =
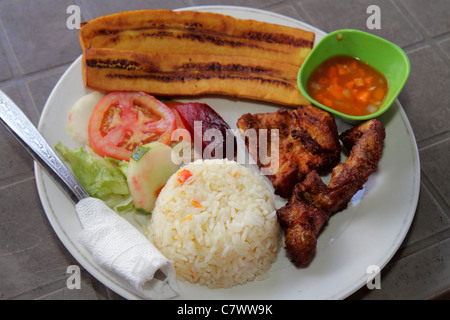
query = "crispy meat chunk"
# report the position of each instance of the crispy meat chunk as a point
(312, 202)
(302, 223)
(308, 140)
(365, 143)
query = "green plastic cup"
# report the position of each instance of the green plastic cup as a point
(384, 56)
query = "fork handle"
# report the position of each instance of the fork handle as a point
(30, 138)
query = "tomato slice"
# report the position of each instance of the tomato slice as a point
(122, 121)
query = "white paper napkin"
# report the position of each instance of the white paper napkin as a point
(120, 247)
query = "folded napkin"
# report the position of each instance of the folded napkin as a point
(120, 247)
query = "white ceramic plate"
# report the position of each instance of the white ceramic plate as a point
(367, 233)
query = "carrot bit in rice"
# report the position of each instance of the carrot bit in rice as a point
(196, 204)
(189, 217)
(183, 176)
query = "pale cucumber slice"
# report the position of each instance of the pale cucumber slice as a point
(150, 167)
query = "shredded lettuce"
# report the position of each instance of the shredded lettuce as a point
(101, 177)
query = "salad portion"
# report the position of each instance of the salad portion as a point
(130, 143)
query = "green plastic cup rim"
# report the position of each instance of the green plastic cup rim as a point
(387, 102)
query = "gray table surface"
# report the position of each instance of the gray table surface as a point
(36, 47)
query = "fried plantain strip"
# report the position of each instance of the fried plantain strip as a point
(193, 32)
(178, 74)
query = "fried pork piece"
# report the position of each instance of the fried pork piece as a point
(365, 143)
(308, 140)
(302, 223)
(312, 202)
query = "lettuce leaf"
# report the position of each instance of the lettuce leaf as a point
(100, 177)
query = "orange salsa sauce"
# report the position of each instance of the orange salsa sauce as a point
(348, 85)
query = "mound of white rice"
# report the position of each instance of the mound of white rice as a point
(219, 226)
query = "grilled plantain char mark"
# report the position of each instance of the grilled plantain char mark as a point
(199, 71)
(111, 37)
